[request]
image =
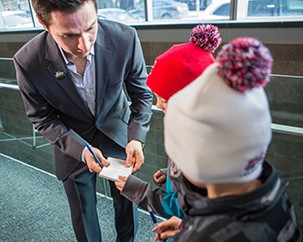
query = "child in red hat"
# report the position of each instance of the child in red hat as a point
(172, 71)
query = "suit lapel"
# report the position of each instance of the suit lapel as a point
(103, 66)
(61, 75)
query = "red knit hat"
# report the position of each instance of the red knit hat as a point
(183, 63)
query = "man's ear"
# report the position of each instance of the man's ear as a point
(42, 23)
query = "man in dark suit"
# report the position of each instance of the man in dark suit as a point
(72, 79)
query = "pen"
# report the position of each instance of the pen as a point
(154, 219)
(94, 155)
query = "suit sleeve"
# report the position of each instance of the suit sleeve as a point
(140, 95)
(45, 118)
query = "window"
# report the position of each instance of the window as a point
(223, 10)
(254, 9)
(16, 19)
(275, 8)
(17, 14)
(163, 10)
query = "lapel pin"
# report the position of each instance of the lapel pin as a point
(60, 75)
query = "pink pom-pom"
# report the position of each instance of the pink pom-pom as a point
(206, 36)
(245, 63)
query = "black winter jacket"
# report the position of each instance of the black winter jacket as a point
(263, 215)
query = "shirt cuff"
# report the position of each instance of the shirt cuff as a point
(82, 156)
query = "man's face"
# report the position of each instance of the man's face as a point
(75, 32)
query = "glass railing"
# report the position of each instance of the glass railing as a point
(284, 92)
(7, 71)
(285, 95)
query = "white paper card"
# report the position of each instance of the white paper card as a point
(115, 169)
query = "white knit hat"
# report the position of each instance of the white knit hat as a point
(218, 128)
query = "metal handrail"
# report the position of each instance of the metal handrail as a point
(6, 59)
(14, 87)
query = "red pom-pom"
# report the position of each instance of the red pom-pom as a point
(206, 36)
(245, 63)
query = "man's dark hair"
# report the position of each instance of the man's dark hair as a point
(44, 8)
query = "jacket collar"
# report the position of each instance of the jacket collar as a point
(103, 61)
(196, 203)
(104, 65)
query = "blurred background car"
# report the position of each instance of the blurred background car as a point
(117, 14)
(16, 19)
(275, 7)
(220, 9)
(194, 4)
(163, 9)
(217, 9)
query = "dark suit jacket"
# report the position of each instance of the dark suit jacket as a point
(57, 110)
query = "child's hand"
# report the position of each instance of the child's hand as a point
(159, 178)
(120, 184)
(168, 228)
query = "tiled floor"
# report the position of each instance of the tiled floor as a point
(34, 207)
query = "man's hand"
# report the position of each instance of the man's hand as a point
(168, 228)
(92, 165)
(134, 155)
(159, 178)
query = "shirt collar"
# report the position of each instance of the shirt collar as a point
(67, 61)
